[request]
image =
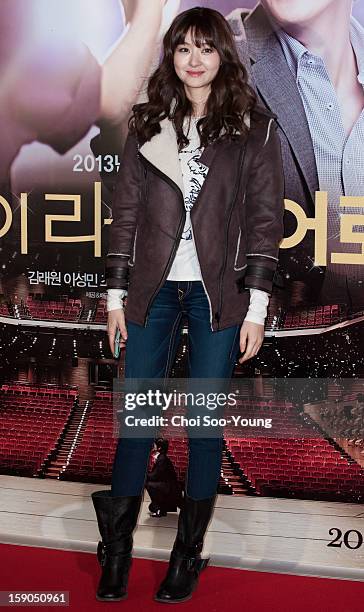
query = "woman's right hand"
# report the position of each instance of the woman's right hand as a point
(115, 321)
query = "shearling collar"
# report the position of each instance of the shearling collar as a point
(162, 152)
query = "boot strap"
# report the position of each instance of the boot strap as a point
(193, 550)
(115, 548)
(198, 565)
(193, 562)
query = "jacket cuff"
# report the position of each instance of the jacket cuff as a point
(117, 272)
(260, 272)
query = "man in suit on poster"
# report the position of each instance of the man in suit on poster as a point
(315, 88)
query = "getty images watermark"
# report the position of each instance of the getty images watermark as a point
(177, 399)
(180, 407)
(239, 408)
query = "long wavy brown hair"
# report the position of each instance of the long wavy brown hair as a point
(231, 96)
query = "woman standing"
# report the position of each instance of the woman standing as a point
(197, 222)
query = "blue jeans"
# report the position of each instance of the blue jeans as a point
(150, 353)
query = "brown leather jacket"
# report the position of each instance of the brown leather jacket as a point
(237, 219)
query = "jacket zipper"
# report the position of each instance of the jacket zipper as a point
(238, 248)
(134, 249)
(241, 162)
(172, 184)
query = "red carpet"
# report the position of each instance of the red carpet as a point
(220, 590)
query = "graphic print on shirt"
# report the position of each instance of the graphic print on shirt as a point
(196, 173)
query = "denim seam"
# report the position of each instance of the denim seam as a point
(171, 343)
(221, 446)
(189, 289)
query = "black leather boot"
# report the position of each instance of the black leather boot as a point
(116, 518)
(185, 563)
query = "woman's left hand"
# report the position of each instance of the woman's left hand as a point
(251, 339)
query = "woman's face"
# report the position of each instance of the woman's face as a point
(196, 66)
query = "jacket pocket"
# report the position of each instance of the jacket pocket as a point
(240, 258)
(131, 261)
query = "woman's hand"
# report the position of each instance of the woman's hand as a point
(251, 339)
(115, 321)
